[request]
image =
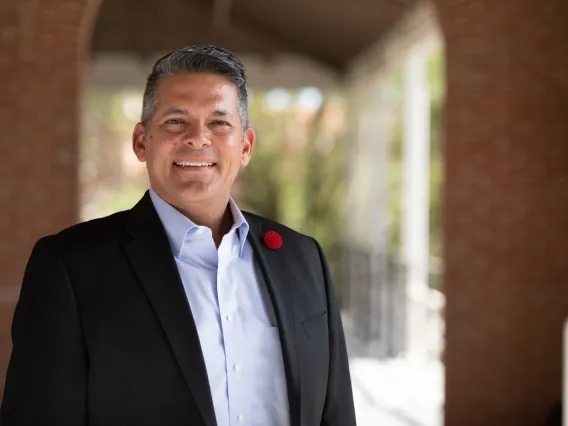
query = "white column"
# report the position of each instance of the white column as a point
(379, 137)
(415, 228)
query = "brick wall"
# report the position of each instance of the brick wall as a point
(506, 208)
(42, 45)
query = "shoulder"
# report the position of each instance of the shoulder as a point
(303, 243)
(92, 233)
(81, 242)
(268, 224)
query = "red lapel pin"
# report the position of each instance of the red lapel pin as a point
(273, 240)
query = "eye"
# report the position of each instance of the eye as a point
(220, 123)
(173, 121)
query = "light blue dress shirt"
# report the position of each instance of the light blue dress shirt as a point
(234, 318)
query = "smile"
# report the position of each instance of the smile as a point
(193, 164)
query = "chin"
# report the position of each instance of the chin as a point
(196, 191)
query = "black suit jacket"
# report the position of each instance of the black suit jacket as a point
(103, 334)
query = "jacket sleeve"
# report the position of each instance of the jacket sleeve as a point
(46, 378)
(339, 408)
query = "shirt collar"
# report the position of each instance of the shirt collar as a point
(240, 224)
(177, 225)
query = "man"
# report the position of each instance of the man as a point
(183, 310)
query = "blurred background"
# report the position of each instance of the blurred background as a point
(424, 144)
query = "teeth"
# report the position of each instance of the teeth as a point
(192, 164)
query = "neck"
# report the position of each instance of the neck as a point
(214, 214)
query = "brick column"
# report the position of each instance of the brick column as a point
(43, 45)
(506, 208)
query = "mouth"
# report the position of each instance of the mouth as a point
(194, 165)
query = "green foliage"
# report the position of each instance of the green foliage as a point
(296, 174)
(437, 81)
(108, 182)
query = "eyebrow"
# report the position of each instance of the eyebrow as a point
(183, 111)
(222, 113)
(172, 111)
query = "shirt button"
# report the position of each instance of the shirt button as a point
(229, 318)
(237, 367)
(241, 418)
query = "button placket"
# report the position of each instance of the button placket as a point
(232, 332)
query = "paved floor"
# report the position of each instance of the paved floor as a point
(397, 392)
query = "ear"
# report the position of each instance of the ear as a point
(249, 138)
(139, 142)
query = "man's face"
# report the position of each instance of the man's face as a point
(194, 144)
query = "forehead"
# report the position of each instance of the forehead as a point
(197, 88)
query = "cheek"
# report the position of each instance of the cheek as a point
(239, 157)
(228, 149)
(161, 151)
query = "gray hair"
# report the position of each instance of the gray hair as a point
(199, 59)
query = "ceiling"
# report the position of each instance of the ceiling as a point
(329, 32)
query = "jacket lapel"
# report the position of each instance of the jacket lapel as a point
(273, 266)
(150, 254)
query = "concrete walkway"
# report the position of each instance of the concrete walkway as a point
(397, 392)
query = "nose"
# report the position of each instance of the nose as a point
(197, 138)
